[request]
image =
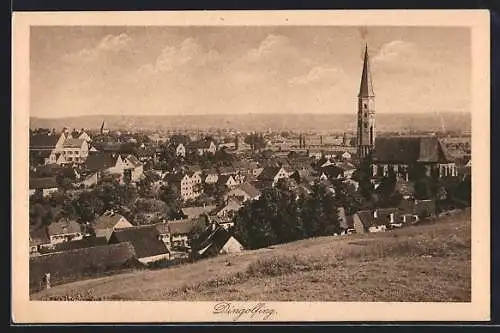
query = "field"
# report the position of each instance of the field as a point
(422, 263)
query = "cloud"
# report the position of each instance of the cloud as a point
(189, 51)
(109, 43)
(396, 50)
(271, 45)
(318, 74)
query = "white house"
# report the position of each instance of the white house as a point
(64, 231)
(180, 150)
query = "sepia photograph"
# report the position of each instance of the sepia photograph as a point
(239, 167)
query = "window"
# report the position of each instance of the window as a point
(365, 105)
(366, 125)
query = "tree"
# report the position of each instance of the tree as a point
(319, 212)
(171, 197)
(255, 141)
(425, 188)
(87, 207)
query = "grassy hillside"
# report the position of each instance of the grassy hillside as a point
(422, 263)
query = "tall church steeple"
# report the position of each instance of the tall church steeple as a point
(366, 111)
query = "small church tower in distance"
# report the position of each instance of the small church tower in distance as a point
(366, 112)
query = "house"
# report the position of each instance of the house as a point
(270, 175)
(42, 186)
(348, 169)
(45, 146)
(194, 212)
(227, 181)
(227, 145)
(327, 163)
(345, 155)
(189, 188)
(181, 229)
(243, 192)
(218, 241)
(67, 265)
(400, 153)
(105, 164)
(232, 206)
(203, 147)
(211, 176)
(227, 170)
(108, 222)
(145, 240)
(365, 221)
(180, 150)
(85, 242)
(133, 169)
(64, 230)
(88, 179)
(38, 238)
(331, 172)
(75, 151)
(82, 135)
(164, 232)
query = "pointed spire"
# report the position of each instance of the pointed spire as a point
(366, 86)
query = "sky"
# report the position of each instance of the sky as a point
(77, 71)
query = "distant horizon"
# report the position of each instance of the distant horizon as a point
(354, 114)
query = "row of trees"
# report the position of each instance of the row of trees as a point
(281, 215)
(85, 206)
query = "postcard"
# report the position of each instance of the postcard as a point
(250, 166)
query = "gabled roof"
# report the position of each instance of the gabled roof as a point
(48, 170)
(249, 189)
(83, 243)
(407, 150)
(64, 226)
(133, 160)
(145, 240)
(232, 205)
(227, 170)
(101, 161)
(332, 171)
(346, 166)
(42, 183)
(44, 141)
(73, 143)
(223, 179)
(200, 144)
(268, 173)
(215, 239)
(194, 212)
(184, 226)
(107, 221)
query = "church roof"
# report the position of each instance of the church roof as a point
(366, 86)
(407, 150)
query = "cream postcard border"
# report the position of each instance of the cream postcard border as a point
(26, 311)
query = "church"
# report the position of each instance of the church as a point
(396, 153)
